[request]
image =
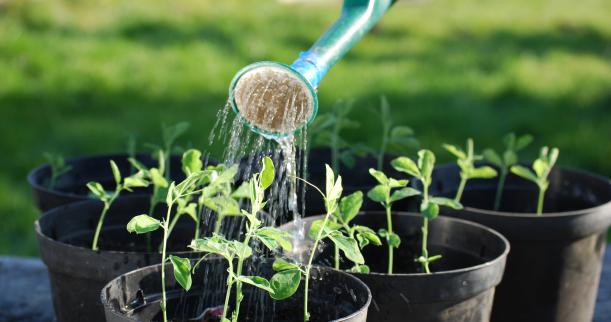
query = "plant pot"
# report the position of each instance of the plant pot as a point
(135, 296)
(77, 274)
(71, 186)
(556, 259)
(354, 179)
(461, 287)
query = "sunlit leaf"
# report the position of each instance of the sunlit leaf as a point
(406, 165)
(143, 224)
(182, 271)
(285, 283)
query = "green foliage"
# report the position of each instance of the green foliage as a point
(58, 168)
(143, 224)
(396, 138)
(466, 162)
(542, 168)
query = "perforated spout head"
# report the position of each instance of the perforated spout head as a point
(273, 99)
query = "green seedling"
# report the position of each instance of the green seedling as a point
(387, 192)
(542, 168)
(169, 135)
(399, 138)
(429, 207)
(323, 229)
(509, 158)
(280, 285)
(466, 162)
(137, 180)
(58, 168)
(144, 224)
(327, 131)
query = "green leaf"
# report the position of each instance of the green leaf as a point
(379, 193)
(348, 246)
(97, 189)
(360, 269)
(406, 165)
(241, 250)
(329, 180)
(182, 271)
(137, 165)
(400, 132)
(403, 193)
(394, 183)
(367, 235)
(169, 199)
(317, 225)
(242, 192)
(510, 157)
(273, 237)
(226, 175)
(426, 163)
(135, 181)
(285, 283)
(553, 157)
(430, 211)
(540, 167)
(257, 281)
(484, 172)
(509, 140)
(379, 176)
(157, 178)
(492, 157)
(336, 192)
(524, 173)
(215, 245)
(267, 173)
(189, 209)
(191, 161)
(350, 206)
(447, 202)
(456, 151)
(142, 224)
(394, 240)
(523, 141)
(116, 173)
(283, 265)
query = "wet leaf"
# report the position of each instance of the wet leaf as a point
(267, 173)
(350, 206)
(285, 283)
(283, 265)
(142, 224)
(348, 246)
(182, 271)
(191, 161)
(273, 237)
(257, 281)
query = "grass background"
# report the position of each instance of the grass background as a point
(78, 77)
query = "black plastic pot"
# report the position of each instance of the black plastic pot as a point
(461, 287)
(354, 179)
(554, 267)
(135, 296)
(71, 186)
(77, 274)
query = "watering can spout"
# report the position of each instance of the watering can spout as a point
(275, 99)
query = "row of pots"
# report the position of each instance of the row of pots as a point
(551, 273)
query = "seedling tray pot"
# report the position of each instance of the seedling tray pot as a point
(135, 296)
(554, 266)
(77, 274)
(461, 287)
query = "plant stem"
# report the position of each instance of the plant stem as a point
(382, 151)
(163, 261)
(228, 293)
(390, 232)
(461, 188)
(336, 256)
(98, 229)
(198, 221)
(499, 189)
(309, 267)
(218, 223)
(149, 245)
(425, 252)
(540, 201)
(238, 285)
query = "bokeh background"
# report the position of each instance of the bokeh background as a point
(79, 77)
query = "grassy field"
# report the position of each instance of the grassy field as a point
(78, 77)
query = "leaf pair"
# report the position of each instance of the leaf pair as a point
(542, 167)
(382, 192)
(466, 161)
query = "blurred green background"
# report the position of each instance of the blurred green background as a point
(78, 77)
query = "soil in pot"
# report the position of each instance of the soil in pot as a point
(135, 296)
(554, 267)
(71, 186)
(77, 274)
(461, 287)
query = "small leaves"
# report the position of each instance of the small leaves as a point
(348, 246)
(492, 157)
(378, 193)
(97, 189)
(257, 281)
(403, 193)
(135, 181)
(426, 163)
(379, 176)
(115, 172)
(440, 201)
(285, 283)
(524, 173)
(350, 206)
(142, 224)
(456, 151)
(406, 165)
(267, 173)
(366, 235)
(360, 269)
(317, 225)
(281, 265)
(191, 161)
(484, 172)
(273, 238)
(430, 210)
(182, 271)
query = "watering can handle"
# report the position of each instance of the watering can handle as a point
(357, 18)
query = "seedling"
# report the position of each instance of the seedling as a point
(128, 183)
(513, 145)
(429, 207)
(58, 168)
(143, 224)
(542, 168)
(169, 135)
(321, 230)
(387, 192)
(400, 137)
(233, 250)
(468, 170)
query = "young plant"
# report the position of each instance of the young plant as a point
(58, 168)
(387, 192)
(398, 137)
(144, 224)
(429, 207)
(466, 163)
(542, 168)
(509, 158)
(134, 181)
(169, 135)
(238, 251)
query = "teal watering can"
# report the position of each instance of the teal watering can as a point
(275, 99)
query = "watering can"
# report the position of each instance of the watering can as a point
(276, 99)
